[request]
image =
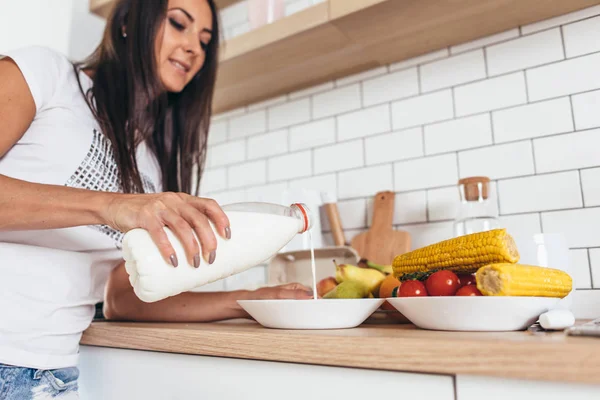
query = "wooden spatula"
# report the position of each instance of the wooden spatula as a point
(381, 243)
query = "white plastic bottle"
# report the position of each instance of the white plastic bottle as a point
(258, 231)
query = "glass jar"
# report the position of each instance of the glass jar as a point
(477, 207)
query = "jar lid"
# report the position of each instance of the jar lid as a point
(474, 187)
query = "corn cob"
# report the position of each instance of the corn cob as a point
(462, 254)
(522, 280)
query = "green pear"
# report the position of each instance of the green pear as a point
(348, 290)
(369, 277)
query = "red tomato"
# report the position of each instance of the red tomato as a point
(442, 283)
(469, 290)
(412, 289)
(466, 279)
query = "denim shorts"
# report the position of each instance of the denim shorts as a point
(17, 383)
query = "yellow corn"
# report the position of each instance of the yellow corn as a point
(522, 280)
(462, 254)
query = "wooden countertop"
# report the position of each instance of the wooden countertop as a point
(396, 347)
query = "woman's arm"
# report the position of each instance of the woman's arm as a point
(26, 205)
(121, 303)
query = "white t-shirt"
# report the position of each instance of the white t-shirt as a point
(50, 280)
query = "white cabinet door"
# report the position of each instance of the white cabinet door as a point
(480, 387)
(117, 374)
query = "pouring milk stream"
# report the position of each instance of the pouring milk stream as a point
(258, 231)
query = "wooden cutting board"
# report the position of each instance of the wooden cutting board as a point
(381, 243)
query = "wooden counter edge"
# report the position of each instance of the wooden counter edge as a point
(576, 360)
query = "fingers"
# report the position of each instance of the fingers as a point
(213, 211)
(158, 235)
(199, 222)
(182, 229)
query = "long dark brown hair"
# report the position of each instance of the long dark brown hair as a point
(131, 106)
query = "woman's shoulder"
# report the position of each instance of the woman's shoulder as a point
(40, 56)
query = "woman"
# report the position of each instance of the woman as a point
(88, 152)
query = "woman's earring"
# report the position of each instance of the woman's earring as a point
(124, 34)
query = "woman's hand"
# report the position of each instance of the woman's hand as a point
(287, 291)
(182, 213)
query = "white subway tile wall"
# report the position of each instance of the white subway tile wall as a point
(522, 107)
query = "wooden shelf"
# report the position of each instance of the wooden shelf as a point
(102, 7)
(341, 37)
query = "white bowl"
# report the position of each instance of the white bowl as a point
(473, 313)
(311, 314)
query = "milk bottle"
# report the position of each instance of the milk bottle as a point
(258, 231)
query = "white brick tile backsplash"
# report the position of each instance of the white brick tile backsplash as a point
(421, 110)
(217, 133)
(442, 203)
(336, 101)
(595, 267)
(540, 193)
(585, 108)
(227, 153)
(486, 41)
(240, 29)
(525, 52)
(353, 214)
(290, 166)
(500, 161)
(229, 114)
(271, 193)
(229, 197)
(409, 208)
(287, 114)
(312, 134)
(503, 91)
(426, 234)
(247, 174)
(580, 227)
(520, 106)
(521, 225)
(394, 146)
(590, 180)
(582, 37)
(365, 122)
(463, 133)
(453, 71)
(436, 55)
(324, 87)
(321, 183)
(296, 6)
(267, 144)
(561, 20)
(533, 120)
(364, 182)
(267, 103)
(392, 86)
(248, 124)
(425, 173)
(580, 265)
(361, 76)
(339, 156)
(569, 151)
(213, 180)
(566, 77)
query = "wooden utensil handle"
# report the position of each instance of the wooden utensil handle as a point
(383, 211)
(337, 232)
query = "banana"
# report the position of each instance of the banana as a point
(369, 277)
(386, 269)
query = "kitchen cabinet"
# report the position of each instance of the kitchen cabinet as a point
(337, 38)
(130, 374)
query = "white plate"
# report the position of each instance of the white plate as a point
(311, 314)
(473, 313)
